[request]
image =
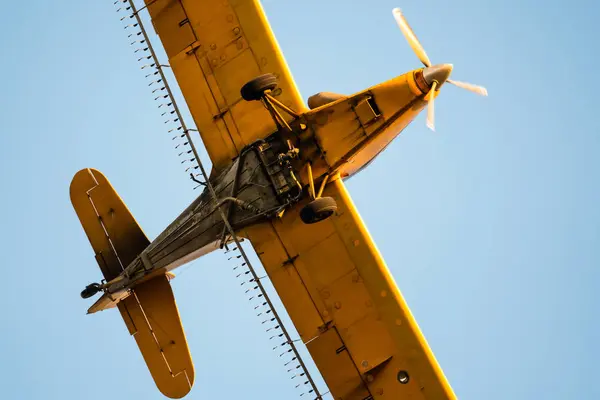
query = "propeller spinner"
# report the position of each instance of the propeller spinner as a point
(434, 75)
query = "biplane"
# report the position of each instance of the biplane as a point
(277, 180)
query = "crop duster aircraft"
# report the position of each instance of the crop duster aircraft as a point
(277, 181)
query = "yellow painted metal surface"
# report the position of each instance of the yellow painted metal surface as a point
(345, 286)
(330, 276)
(150, 312)
(284, 273)
(214, 48)
(352, 131)
(151, 316)
(113, 232)
(333, 359)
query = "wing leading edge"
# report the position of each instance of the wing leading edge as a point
(347, 307)
(214, 48)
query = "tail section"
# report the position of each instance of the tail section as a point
(149, 309)
(151, 316)
(114, 234)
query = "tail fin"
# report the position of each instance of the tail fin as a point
(149, 311)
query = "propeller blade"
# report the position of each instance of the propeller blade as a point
(430, 108)
(480, 90)
(411, 37)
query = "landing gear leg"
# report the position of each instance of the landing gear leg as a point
(320, 208)
(260, 89)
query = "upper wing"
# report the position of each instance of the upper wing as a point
(214, 48)
(345, 303)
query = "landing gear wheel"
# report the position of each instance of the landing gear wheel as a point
(255, 89)
(318, 210)
(90, 290)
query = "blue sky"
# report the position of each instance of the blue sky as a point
(491, 225)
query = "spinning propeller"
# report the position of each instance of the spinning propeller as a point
(435, 75)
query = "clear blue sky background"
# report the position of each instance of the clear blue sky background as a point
(491, 225)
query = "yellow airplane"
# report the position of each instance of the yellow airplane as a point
(277, 180)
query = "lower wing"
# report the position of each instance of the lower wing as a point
(346, 305)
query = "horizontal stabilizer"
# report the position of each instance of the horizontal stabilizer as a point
(114, 234)
(151, 316)
(108, 300)
(148, 309)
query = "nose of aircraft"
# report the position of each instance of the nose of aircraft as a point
(438, 73)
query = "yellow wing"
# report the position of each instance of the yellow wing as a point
(214, 48)
(344, 302)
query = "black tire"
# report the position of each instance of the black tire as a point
(90, 290)
(255, 89)
(318, 210)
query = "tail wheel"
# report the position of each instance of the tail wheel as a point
(90, 290)
(318, 210)
(255, 89)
